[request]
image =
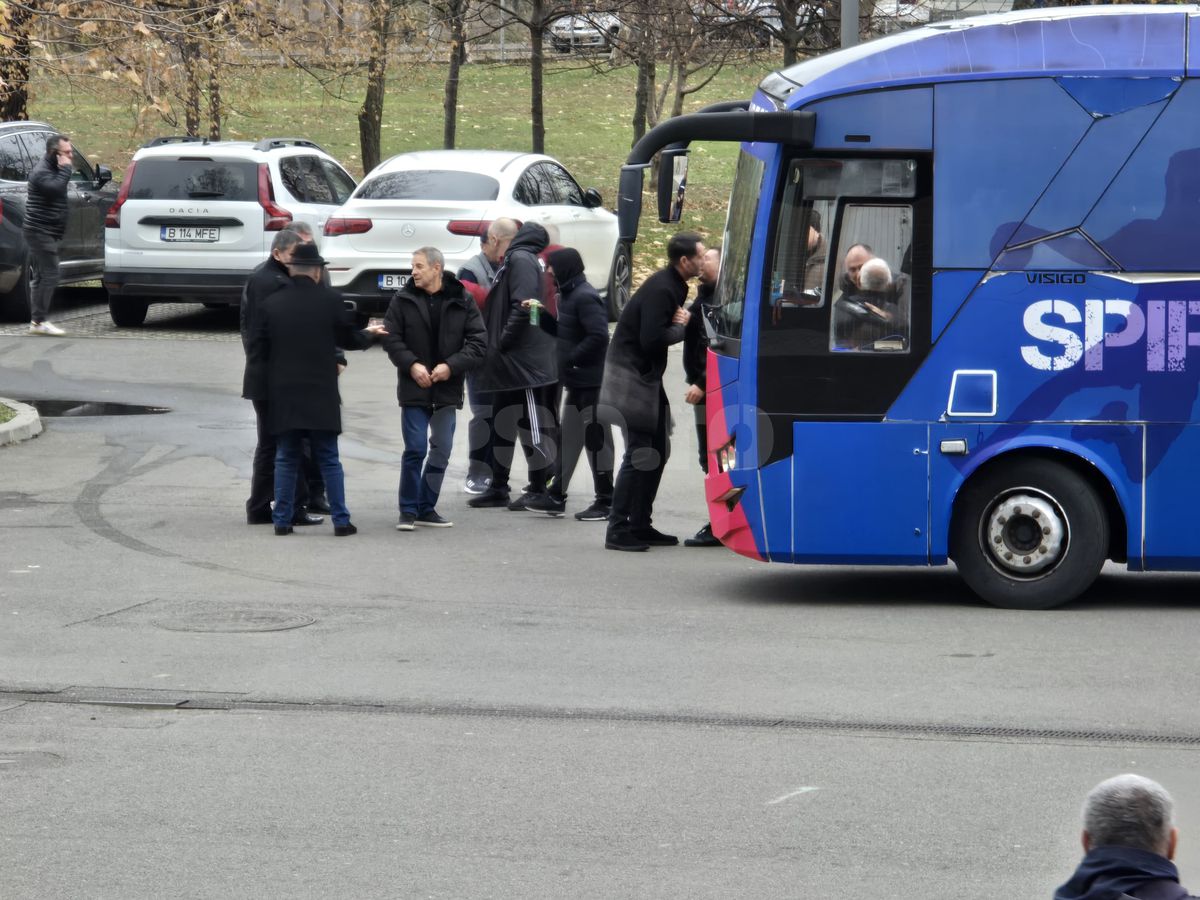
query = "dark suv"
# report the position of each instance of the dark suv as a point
(89, 195)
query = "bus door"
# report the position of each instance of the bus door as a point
(843, 324)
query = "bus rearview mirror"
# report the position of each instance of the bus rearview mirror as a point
(672, 183)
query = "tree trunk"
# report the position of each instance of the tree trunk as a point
(644, 92)
(458, 56)
(190, 52)
(214, 93)
(16, 20)
(537, 109)
(370, 117)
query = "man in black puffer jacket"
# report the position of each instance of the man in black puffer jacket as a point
(434, 336)
(1129, 838)
(44, 226)
(582, 332)
(520, 373)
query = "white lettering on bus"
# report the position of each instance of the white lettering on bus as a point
(1163, 326)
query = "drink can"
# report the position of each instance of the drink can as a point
(535, 313)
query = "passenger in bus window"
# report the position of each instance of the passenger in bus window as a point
(785, 295)
(870, 312)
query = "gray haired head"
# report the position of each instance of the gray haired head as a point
(288, 238)
(1129, 811)
(875, 275)
(433, 256)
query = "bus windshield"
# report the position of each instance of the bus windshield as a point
(730, 295)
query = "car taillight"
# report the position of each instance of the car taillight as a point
(112, 218)
(275, 217)
(469, 227)
(334, 227)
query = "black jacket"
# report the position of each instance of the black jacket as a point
(292, 365)
(695, 339)
(518, 355)
(637, 356)
(1109, 873)
(582, 329)
(461, 342)
(46, 200)
(267, 278)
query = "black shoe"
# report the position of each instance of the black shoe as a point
(263, 518)
(597, 512)
(319, 505)
(306, 519)
(654, 537)
(522, 502)
(477, 484)
(408, 521)
(491, 498)
(624, 540)
(547, 503)
(344, 530)
(431, 519)
(702, 538)
(281, 530)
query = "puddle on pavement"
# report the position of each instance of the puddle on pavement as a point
(56, 409)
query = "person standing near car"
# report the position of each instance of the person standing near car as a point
(434, 336)
(477, 276)
(293, 339)
(581, 329)
(44, 226)
(271, 276)
(652, 320)
(520, 372)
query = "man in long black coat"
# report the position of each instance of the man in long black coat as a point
(652, 320)
(269, 277)
(293, 341)
(435, 335)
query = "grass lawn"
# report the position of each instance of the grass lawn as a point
(588, 127)
(6, 413)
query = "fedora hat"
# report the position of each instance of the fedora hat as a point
(306, 254)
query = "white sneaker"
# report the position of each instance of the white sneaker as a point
(45, 328)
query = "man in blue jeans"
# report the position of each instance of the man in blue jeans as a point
(434, 336)
(292, 362)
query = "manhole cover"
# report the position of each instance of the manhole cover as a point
(235, 621)
(27, 759)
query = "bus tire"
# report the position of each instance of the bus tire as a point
(1032, 534)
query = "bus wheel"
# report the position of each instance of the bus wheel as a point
(1029, 535)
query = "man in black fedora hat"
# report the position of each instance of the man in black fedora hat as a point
(292, 362)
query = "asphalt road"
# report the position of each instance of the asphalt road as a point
(191, 707)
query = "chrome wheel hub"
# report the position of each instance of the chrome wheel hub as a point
(1025, 534)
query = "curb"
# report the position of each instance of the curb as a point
(24, 425)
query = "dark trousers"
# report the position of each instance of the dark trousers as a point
(43, 273)
(702, 436)
(262, 471)
(530, 416)
(646, 454)
(287, 469)
(479, 433)
(582, 430)
(428, 437)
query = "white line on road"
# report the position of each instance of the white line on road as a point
(796, 793)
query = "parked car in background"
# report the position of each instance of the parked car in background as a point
(90, 193)
(897, 15)
(193, 218)
(585, 31)
(447, 199)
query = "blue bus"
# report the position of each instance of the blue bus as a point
(1013, 388)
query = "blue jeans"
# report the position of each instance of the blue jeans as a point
(428, 436)
(288, 461)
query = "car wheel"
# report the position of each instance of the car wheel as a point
(15, 305)
(127, 312)
(1031, 534)
(620, 280)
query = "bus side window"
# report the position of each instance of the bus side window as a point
(872, 306)
(798, 276)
